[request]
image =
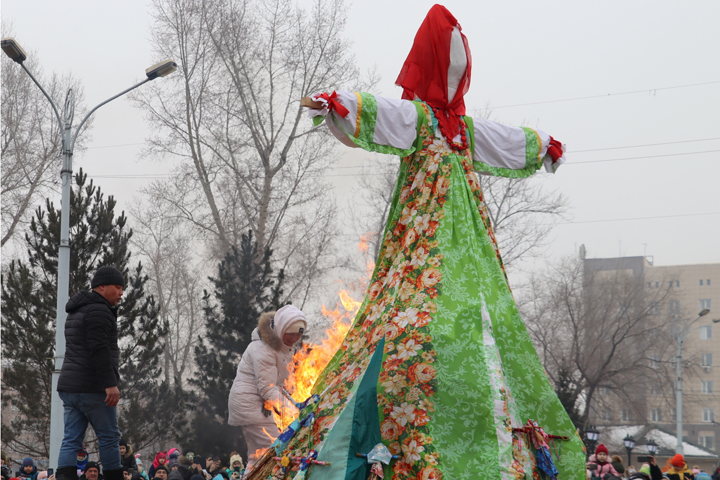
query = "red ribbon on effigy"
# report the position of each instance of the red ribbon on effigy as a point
(333, 104)
(555, 149)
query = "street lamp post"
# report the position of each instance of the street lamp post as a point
(651, 447)
(16, 53)
(591, 438)
(681, 333)
(629, 443)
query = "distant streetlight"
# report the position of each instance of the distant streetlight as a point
(629, 443)
(16, 53)
(591, 438)
(651, 447)
(680, 334)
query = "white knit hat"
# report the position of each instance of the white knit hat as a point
(289, 319)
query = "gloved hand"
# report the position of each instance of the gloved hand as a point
(265, 411)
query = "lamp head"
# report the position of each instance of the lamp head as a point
(629, 442)
(651, 447)
(166, 67)
(592, 434)
(704, 312)
(13, 49)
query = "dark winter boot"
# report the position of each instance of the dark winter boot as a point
(66, 473)
(113, 474)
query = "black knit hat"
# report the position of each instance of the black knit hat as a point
(92, 465)
(108, 276)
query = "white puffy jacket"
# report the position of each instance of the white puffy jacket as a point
(261, 373)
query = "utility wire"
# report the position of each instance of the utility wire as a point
(606, 95)
(164, 175)
(645, 145)
(637, 158)
(639, 218)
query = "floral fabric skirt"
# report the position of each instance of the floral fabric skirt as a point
(438, 364)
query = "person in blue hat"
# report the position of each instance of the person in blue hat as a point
(28, 469)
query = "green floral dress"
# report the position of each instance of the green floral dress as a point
(438, 364)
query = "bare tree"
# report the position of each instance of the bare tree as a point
(523, 213)
(175, 282)
(30, 139)
(600, 336)
(233, 119)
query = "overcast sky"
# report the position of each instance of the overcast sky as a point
(631, 87)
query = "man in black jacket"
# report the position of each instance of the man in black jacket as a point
(88, 383)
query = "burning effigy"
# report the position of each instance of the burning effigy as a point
(436, 376)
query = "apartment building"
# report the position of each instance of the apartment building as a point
(676, 296)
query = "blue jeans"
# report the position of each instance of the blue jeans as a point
(84, 408)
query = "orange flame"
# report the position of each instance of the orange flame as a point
(309, 362)
(269, 436)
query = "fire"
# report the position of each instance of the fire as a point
(309, 362)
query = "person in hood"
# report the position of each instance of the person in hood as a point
(160, 459)
(236, 466)
(82, 460)
(261, 374)
(88, 383)
(28, 469)
(127, 457)
(678, 469)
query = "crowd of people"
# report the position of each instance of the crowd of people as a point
(602, 466)
(170, 465)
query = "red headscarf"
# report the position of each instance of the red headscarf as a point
(425, 72)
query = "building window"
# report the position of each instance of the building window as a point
(673, 415)
(706, 303)
(655, 308)
(708, 415)
(657, 284)
(707, 387)
(677, 283)
(706, 332)
(655, 389)
(707, 441)
(707, 282)
(701, 283)
(674, 306)
(655, 360)
(649, 284)
(656, 415)
(603, 391)
(626, 416)
(606, 415)
(706, 359)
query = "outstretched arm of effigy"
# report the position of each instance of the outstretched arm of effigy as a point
(373, 123)
(514, 152)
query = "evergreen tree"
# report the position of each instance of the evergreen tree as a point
(244, 288)
(97, 237)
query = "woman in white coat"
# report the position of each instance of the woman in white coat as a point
(262, 371)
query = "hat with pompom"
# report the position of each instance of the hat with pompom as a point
(677, 461)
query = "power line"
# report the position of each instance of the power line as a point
(607, 95)
(113, 146)
(645, 145)
(637, 158)
(165, 175)
(639, 218)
